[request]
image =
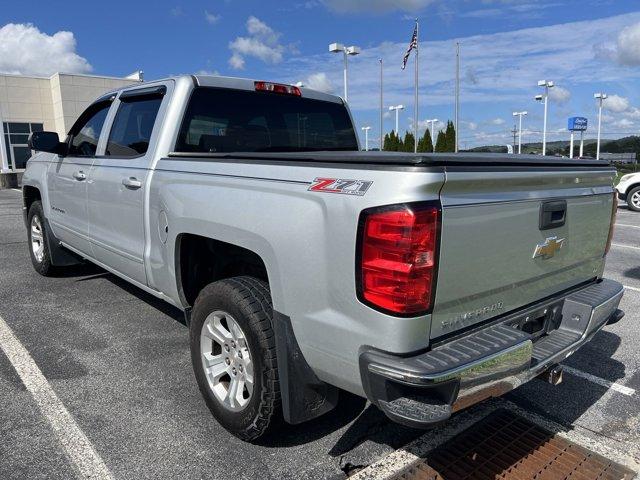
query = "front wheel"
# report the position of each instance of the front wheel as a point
(233, 355)
(37, 237)
(633, 199)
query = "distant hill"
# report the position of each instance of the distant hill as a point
(621, 145)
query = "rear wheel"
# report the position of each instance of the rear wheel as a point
(233, 355)
(633, 199)
(37, 236)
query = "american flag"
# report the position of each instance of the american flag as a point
(413, 44)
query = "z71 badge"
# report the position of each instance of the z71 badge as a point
(340, 185)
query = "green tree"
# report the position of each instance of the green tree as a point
(425, 144)
(441, 142)
(392, 142)
(387, 142)
(409, 142)
(450, 137)
(398, 143)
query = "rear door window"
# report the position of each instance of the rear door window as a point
(226, 120)
(133, 125)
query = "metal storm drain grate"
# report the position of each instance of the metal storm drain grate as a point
(507, 446)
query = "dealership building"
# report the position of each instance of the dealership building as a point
(30, 104)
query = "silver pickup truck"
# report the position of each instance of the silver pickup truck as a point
(425, 283)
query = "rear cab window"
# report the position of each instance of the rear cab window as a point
(219, 120)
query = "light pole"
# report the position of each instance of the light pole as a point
(544, 98)
(432, 122)
(346, 51)
(519, 115)
(601, 97)
(397, 109)
(366, 137)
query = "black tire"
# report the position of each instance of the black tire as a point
(43, 266)
(630, 194)
(248, 301)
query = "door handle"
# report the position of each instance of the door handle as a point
(131, 182)
(553, 214)
(79, 175)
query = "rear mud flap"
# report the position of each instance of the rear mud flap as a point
(304, 395)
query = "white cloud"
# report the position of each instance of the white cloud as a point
(633, 113)
(376, 6)
(511, 9)
(177, 11)
(559, 95)
(497, 121)
(25, 50)
(211, 18)
(236, 62)
(616, 103)
(257, 27)
(262, 43)
(505, 67)
(626, 49)
(214, 73)
(319, 81)
(623, 123)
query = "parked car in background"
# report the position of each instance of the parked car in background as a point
(629, 190)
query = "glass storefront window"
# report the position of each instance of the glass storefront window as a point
(18, 127)
(16, 136)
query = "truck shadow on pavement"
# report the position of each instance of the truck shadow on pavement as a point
(569, 401)
(90, 272)
(632, 273)
(363, 422)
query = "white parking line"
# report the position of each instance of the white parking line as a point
(16, 190)
(635, 289)
(626, 225)
(624, 246)
(76, 445)
(629, 392)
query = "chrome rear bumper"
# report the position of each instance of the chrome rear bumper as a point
(424, 389)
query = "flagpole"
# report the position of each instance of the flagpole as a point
(381, 107)
(415, 112)
(457, 92)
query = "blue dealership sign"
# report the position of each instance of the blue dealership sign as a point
(577, 124)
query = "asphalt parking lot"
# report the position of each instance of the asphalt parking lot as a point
(118, 362)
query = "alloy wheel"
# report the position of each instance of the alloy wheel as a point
(37, 238)
(226, 360)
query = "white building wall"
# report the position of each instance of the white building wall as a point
(56, 101)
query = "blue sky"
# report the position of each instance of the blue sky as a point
(507, 45)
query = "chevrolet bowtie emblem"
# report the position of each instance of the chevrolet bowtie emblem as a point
(549, 248)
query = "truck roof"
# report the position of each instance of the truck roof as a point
(236, 83)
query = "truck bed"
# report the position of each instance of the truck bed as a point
(401, 158)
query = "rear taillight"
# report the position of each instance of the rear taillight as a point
(277, 88)
(398, 258)
(614, 213)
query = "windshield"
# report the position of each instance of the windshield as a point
(225, 120)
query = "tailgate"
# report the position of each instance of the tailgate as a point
(491, 233)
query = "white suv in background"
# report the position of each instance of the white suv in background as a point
(629, 190)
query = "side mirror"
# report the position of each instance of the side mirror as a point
(47, 142)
